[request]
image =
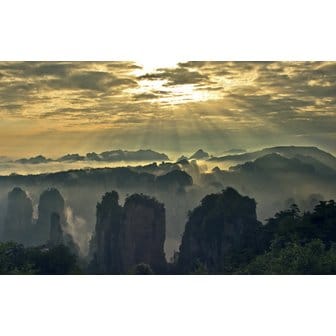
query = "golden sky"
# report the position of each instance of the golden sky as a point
(53, 108)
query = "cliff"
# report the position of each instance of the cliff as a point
(104, 246)
(18, 220)
(219, 233)
(127, 236)
(58, 236)
(56, 232)
(142, 233)
(51, 201)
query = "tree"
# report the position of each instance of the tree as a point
(16, 259)
(311, 258)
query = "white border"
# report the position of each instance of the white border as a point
(170, 31)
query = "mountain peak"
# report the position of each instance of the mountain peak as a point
(200, 154)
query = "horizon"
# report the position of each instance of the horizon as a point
(173, 155)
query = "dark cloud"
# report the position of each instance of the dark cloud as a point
(90, 80)
(50, 69)
(123, 65)
(154, 94)
(142, 96)
(177, 76)
(11, 106)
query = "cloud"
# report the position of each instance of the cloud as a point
(254, 99)
(90, 80)
(177, 76)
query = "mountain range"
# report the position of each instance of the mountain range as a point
(107, 156)
(305, 153)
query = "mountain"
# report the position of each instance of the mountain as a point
(235, 151)
(93, 157)
(199, 155)
(34, 160)
(130, 235)
(182, 158)
(318, 165)
(273, 179)
(71, 157)
(219, 232)
(51, 201)
(286, 151)
(108, 156)
(175, 179)
(275, 162)
(19, 217)
(139, 155)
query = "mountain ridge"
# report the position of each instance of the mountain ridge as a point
(106, 156)
(286, 151)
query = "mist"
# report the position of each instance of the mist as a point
(273, 189)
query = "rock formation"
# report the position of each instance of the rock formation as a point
(18, 220)
(130, 235)
(58, 236)
(174, 181)
(104, 246)
(56, 232)
(219, 232)
(142, 233)
(51, 201)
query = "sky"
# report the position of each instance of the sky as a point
(54, 108)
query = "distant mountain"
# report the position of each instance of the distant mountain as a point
(174, 178)
(71, 157)
(199, 155)
(235, 151)
(285, 151)
(181, 158)
(318, 165)
(34, 160)
(109, 156)
(275, 162)
(139, 155)
(4, 158)
(93, 157)
(273, 179)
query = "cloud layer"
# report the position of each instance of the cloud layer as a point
(56, 106)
